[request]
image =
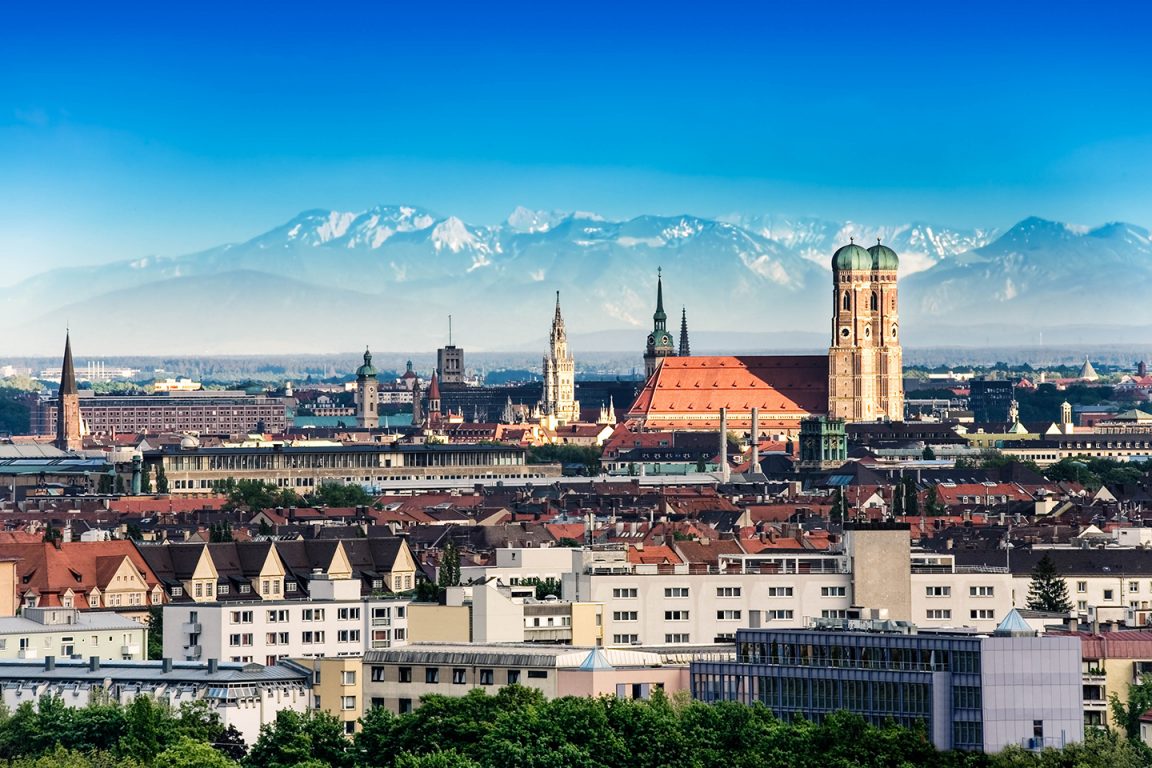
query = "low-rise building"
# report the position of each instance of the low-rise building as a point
(397, 678)
(69, 633)
(246, 696)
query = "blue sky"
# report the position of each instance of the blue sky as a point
(151, 129)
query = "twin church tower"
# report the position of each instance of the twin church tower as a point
(864, 362)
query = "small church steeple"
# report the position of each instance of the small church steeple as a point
(68, 425)
(660, 344)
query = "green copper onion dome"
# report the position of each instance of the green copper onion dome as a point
(884, 257)
(851, 257)
(365, 371)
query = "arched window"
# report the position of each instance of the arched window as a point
(875, 302)
(847, 300)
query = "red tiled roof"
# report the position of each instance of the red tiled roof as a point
(696, 388)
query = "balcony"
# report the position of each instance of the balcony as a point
(129, 650)
(27, 653)
(191, 628)
(192, 652)
(381, 622)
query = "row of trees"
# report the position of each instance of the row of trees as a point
(257, 495)
(515, 728)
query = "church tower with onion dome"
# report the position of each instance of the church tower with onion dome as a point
(367, 395)
(865, 360)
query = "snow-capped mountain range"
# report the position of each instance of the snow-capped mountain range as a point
(389, 277)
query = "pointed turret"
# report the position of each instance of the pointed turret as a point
(685, 351)
(1087, 372)
(68, 370)
(660, 344)
(434, 395)
(659, 316)
(68, 426)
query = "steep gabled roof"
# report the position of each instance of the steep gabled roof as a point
(692, 390)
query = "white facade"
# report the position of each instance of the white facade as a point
(244, 696)
(645, 606)
(266, 631)
(514, 564)
(69, 633)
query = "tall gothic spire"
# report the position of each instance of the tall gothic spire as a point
(69, 428)
(684, 350)
(68, 371)
(659, 317)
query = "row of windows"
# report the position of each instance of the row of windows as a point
(632, 593)
(943, 591)
(459, 676)
(281, 615)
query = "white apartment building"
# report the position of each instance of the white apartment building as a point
(336, 621)
(682, 604)
(69, 633)
(514, 564)
(947, 595)
(245, 696)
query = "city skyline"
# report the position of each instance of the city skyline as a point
(128, 132)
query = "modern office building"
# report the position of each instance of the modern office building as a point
(990, 401)
(216, 412)
(970, 691)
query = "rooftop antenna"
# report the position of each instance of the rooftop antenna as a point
(449, 330)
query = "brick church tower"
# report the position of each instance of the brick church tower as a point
(865, 361)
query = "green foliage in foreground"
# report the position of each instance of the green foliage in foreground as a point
(515, 728)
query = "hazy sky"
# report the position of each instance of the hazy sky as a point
(127, 131)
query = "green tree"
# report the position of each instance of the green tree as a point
(911, 498)
(255, 495)
(1048, 591)
(449, 575)
(189, 753)
(161, 479)
(340, 495)
(294, 738)
(544, 587)
(928, 454)
(155, 632)
(146, 479)
(932, 505)
(449, 759)
(148, 729)
(1127, 714)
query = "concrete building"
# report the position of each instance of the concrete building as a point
(219, 412)
(450, 364)
(337, 623)
(246, 696)
(972, 692)
(69, 633)
(488, 612)
(398, 678)
(337, 687)
(193, 470)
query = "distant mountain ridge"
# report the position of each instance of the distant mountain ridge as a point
(389, 276)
